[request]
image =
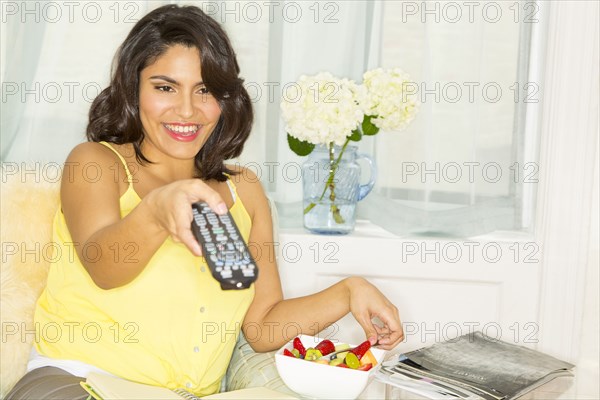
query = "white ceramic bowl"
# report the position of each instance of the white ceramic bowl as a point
(321, 381)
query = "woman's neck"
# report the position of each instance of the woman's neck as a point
(167, 169)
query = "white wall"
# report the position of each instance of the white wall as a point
(558, 293)
(588, 363)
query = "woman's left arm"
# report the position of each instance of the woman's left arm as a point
(273, 314)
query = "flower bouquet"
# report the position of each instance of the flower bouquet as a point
(332, 112)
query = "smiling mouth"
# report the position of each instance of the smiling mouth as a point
(183, 130)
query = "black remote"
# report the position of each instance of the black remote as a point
(223, 248)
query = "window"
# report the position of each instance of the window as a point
(467, 164)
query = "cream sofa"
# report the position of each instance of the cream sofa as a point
(29, 198)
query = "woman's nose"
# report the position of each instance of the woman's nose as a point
(185, 106)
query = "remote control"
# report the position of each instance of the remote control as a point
(223, 248)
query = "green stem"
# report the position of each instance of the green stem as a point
(330, 184)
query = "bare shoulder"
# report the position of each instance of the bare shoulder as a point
(245, 179)
(90, 190)
(91, 162)
(91, 152)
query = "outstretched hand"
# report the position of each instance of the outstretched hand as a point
(172, 210)
(366, 303)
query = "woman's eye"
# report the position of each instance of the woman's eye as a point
(203, 90)
(164, 88)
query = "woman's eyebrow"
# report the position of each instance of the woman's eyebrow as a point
(171, 80)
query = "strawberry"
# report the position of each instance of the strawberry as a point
(361, 349)
(326, 347)
(288, 353)
(365, 367)
(342, 365)
(299, 346)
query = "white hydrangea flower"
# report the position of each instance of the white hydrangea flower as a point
(322, 108)
(387, 100)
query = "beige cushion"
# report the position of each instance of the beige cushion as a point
(28, 203)
(250, 369)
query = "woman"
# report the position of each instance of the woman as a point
(137, 299)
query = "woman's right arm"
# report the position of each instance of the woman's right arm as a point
(115, 250)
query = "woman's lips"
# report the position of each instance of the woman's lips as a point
(183, 132)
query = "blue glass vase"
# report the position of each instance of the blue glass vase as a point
(331, 188)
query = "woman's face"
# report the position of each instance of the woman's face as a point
(177, 112)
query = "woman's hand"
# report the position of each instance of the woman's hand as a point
(367, 302)
(170, 205)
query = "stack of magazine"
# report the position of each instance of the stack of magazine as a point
(472, 366)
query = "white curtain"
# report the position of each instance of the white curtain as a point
(56, 57)
(70, 50)
(25, 44)
(460, 168)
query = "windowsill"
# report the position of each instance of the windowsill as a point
(365, 229)
(402, 222)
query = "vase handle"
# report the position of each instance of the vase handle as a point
(364, 190)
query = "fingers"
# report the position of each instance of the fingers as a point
(171, 208)
(188, 239)
(194, 190)
(392, 332)
(200, 191)
(182, 232)
(368, 303)
(370, 330)
(382, 332)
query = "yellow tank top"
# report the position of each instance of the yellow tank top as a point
(172, 326)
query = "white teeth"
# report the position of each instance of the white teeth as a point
(183, 129)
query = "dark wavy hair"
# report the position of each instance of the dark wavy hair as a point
(114, 114)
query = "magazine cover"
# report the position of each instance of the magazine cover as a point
(473, 366)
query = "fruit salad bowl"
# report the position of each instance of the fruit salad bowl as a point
(319, 380)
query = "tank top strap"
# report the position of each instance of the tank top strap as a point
(232, 188)
(129, 176)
